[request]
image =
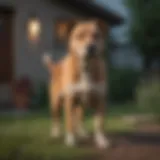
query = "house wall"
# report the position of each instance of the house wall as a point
(126, 57)
(27, 56)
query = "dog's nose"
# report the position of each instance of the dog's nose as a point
(91, 49)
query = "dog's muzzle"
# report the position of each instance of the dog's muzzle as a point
(91, 51)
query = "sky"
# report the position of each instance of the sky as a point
(117, 6)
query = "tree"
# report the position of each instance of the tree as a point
(145, 29)
(111, 45)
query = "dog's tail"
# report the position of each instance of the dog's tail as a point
(47, 61)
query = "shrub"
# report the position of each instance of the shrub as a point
(148, 96)
(122, 84)
(40, 99)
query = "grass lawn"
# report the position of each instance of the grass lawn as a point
(27, 138)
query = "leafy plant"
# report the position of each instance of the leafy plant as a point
(40, 98)
(122, 84)
(148, 96)
(144, 29)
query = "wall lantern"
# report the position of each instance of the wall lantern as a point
(34, 29)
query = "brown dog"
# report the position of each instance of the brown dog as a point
(79, 80)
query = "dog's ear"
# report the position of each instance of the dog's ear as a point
(63, 28)
(103, 26)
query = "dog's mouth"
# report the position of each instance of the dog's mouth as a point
(88, 62)
(91, 52)
(90, 56)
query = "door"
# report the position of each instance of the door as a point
(6, 54)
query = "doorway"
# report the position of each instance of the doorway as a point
(6, 52)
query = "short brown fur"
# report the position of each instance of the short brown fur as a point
(67, 72)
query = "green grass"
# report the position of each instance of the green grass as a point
(27, 138)
(123, 109)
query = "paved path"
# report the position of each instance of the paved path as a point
(133, 146)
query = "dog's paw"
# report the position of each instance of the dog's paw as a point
(101, 141)
(82, 133)
(70, 140)
(55, 132)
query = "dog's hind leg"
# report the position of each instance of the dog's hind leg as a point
(56, 121)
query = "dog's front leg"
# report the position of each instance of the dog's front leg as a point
(70, 135)
(79, 119)
(99, 134)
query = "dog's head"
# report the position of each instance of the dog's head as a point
(85, 37)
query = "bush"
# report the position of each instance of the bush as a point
(40, 99)
(122, 84)
(148, 96)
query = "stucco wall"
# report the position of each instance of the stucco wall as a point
(27, 57)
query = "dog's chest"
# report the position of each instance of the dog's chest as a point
(87, 80)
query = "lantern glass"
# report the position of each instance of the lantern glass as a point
(34, 29)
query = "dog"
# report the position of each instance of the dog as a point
(78, 80)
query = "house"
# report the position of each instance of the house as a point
(27, 31)
(125, 55)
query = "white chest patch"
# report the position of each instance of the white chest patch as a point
(86, 85)
(85, 82)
